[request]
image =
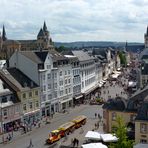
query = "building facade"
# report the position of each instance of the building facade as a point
(10, 110)
(53, 72)
(27, 92)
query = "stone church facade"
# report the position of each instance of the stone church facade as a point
(8, 46)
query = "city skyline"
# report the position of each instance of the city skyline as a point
(76, 20)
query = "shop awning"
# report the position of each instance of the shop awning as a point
(94, 145)
(78, 97)
(32, 112)
(90, 90)
(108, 138)
(93, 135)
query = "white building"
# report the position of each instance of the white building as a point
(76, 78)
(52, 72)
(88, 72)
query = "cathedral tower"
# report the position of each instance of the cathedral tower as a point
(4, 37)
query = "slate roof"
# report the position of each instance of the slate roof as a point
(21, 78)
(56, 56)
(41, 33)
(42, 55)
(136, 100)
(32, 56)
(118, 104)
(143, 112)
(100, 51)
(82, 56)
(144, 67)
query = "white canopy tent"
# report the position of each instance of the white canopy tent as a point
(94, 145)
(93, 135)
(108, 138)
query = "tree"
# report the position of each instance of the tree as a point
(122, 58)
(61, 48)
(121, 133)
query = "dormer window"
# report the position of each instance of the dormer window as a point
(143, 127)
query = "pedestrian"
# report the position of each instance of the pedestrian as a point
(30, 144)
(77, 142)
(98, 115)
(74, 142)
(95, 115)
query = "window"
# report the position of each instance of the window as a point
(66, 92)
(44, 98)
(37, 104)
(24, 107)
(30, 105)
(55, 85)
(61, 93)
(114, 116)
(48, 66)
(55, 94)
(55, 75)
(61, 82)
(65, 72)
(66, 81)
(143, 141)
(44, 88)
(24, 95)
(48, 75)
(69, 90)
(36, 93)
(30, 94)
(49, 86)
(44, 77)
(60, 73)
(5, 112)
(69, 72)
(17, 109)
(143, 128)
(49, 97)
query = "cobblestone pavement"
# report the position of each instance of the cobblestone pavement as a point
(39, 135)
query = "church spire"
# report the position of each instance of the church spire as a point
(4, 34)
(147, 31)
(44, 27)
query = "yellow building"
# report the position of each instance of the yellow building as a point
(27, 91)
(141, 124)
(134, 113)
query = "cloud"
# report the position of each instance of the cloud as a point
(70, 20)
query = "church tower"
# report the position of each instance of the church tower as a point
(4, 37)
(46, 32)
(146, 38)
(1, 42)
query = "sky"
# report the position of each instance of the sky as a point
(76, 20)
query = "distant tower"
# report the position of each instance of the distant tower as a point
(146, 38)
(126, 47)
(4, 34)
(40, 34)
(46, 32)
(1, 41)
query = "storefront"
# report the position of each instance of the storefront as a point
(32, 117)
(78, 99)
(66, 103)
